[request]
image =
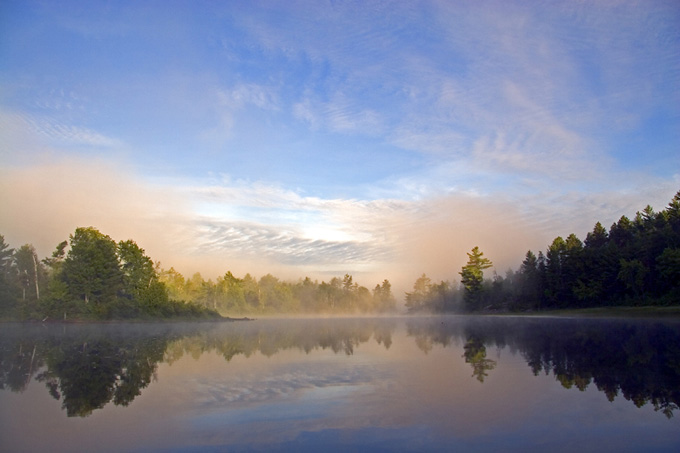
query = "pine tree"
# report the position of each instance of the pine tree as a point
(473, 276)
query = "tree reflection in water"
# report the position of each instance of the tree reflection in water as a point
(87, 367)
(639, 359)
(83, 366)
(475, 355)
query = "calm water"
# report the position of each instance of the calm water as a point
(403, 384)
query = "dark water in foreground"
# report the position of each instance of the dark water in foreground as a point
(404, 384)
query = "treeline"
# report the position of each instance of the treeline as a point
(270, 295)
(96, 279)
(635, 262)
(93, 277)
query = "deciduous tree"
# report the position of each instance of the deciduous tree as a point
(91, 270)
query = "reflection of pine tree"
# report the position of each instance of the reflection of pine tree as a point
(475, 355)
(637, 360)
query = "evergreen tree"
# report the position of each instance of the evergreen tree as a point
(598, 238)
(529, 282)
(416, 300)
(6, 256)
(556, 288)
(472, 277)
(673, 211)
(384, 300)
(8, 288)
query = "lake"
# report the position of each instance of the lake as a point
(349, 384)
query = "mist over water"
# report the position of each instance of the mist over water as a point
(397, 384)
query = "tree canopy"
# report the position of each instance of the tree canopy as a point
(96, 278)
(635, 262)
(91, 276)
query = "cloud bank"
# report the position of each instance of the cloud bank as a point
(259, 229)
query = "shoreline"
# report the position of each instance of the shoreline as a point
(124, 321)
(600, 312)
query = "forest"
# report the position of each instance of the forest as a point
(634, 263)
(95, 279)
(91, 276)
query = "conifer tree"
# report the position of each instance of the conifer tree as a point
(472, 277)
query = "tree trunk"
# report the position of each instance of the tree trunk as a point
(35, 274)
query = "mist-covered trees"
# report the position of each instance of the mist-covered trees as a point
(635, 262)
(91, 276)
(433, 297)
(270, 295)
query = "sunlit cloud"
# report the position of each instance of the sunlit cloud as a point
(283, 245)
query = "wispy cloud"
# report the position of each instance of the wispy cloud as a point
(249, 94)
(284, 245)
(503, 91)
(340, 115)
(55, 132)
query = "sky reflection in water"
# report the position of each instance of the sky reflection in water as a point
(371, 384)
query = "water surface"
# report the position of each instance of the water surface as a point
(402, 384)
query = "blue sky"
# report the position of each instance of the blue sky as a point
(383, 139)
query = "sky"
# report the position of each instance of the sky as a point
(384, 139)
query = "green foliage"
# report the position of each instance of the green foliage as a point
(634, 263)
(91, 269)
(96, 279)
(472, 276)
(231, 295)
(475, 355)
(8, 288)
(138, 270)
(637, 262)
